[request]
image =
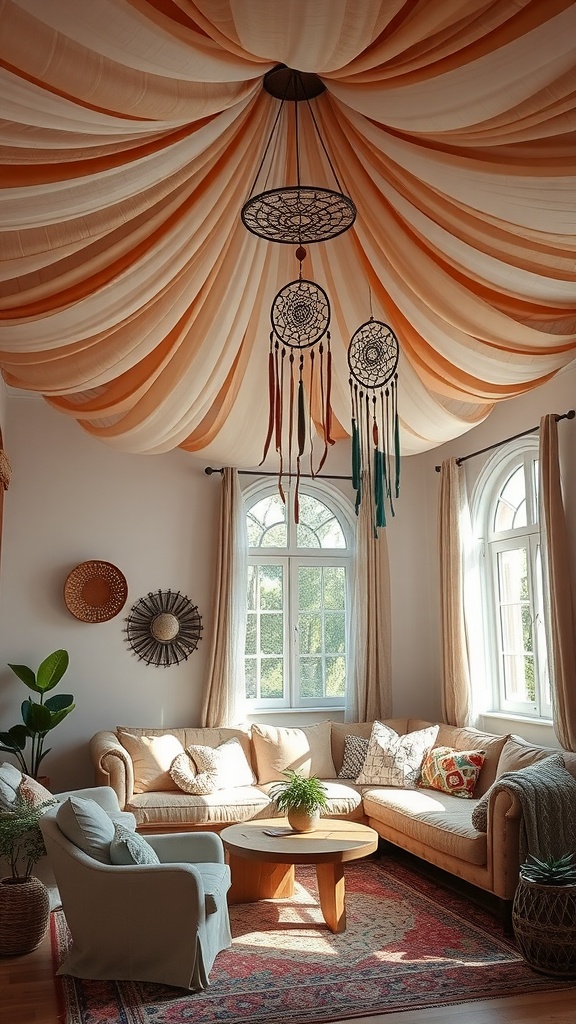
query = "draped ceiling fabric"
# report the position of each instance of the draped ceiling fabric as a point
(135, 301)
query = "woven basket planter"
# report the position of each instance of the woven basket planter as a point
(544, 923)
(24, 915)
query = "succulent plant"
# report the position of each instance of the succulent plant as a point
(552, 871)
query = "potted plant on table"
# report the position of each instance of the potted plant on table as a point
(38, 717)
(24, 899)
(301, 799)
(544, 914)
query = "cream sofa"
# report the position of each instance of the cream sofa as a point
(431, 824)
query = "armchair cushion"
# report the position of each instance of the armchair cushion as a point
(128, 847)
(87, 826)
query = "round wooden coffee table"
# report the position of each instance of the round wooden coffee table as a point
(270, 871)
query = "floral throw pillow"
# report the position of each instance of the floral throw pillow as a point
(393, 760)
(452, 771)
(355, 750)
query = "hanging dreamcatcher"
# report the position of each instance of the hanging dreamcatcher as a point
(300, 317)
(373, 359)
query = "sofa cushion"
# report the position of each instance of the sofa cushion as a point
(343, 801)
(86, 825)
(128, 847)
(307, 751)
(151, 758)
(201, 769)
(393, 760)
(452, 771)
(517, 753)
(355, 750)
(179, 809)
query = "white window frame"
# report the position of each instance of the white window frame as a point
(523, 451)
(292, 558)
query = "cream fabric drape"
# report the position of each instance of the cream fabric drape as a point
(370, 696)
(133, 298)
(561, 619)
(456, 701)
(223, 695)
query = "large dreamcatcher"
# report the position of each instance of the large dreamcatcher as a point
(373, 359)
(299, 350)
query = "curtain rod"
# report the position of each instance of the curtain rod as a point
(531, 430)
(289, 476)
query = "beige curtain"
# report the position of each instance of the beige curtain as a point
(561, 623)
(224, 693)
(371, 692)
(456, 676)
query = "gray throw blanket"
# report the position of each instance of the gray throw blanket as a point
(547, 794)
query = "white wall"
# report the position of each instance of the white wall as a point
(155, 517)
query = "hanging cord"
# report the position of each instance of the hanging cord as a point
(326, 153)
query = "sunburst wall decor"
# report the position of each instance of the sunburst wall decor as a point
(163, 628)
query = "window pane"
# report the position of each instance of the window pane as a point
(511, 506)
(311, 681)
(251, 633)
(310, 633)
(266, 523)
(335, 632)
(519, 678)
(270, 587)
(516, 626)
(272, 633)
(251, 670)
(335, 587)
(335, 677)
(318, 527)
(252, 581)
(271, 681)
(310, 587)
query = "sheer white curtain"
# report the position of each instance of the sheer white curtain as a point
(225, 689)
(453, 506)
(370, 695)
(561, 623)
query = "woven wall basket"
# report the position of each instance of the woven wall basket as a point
(544, 923)
(24, 915)
(95, 591)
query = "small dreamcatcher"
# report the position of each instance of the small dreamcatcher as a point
(373, 359)
(163, 628)
(300, 317)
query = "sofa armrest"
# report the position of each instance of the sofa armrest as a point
(503, 842)
(112, 766)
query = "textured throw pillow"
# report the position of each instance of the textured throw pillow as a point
(393, 760)
(201, 769)
(34, 792)
(307, 751)
(480, 812)
(151, 757)
(86, 825)
(10, 779)
(355, 750)
(451, 771)
(130, 848)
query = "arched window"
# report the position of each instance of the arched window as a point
(507, 519)
(299, 577)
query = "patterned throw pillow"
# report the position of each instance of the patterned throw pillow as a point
(34, 792)
(452, 771)
(393, 760)
(130, 848)
(355, 750)
(201, 770)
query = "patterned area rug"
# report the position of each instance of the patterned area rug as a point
(409, 944)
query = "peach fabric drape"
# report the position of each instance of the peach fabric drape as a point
(370, 696)
(561, 618)
(223, 693)
(135, 301)
(456, 675)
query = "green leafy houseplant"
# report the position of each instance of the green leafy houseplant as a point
(21, 840)
(299, 793)
(38, 717)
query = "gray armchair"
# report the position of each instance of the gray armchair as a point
(162, 922)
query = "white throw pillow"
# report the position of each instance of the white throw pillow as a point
(129, 847)
(201, 769)
(393, 760)
(151, 757)
(86, 825)
(307, 751)
(10, 779)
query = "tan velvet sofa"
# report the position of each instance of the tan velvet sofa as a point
(430, 824)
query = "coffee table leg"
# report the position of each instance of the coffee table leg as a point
(254, 880)
(332, 895)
